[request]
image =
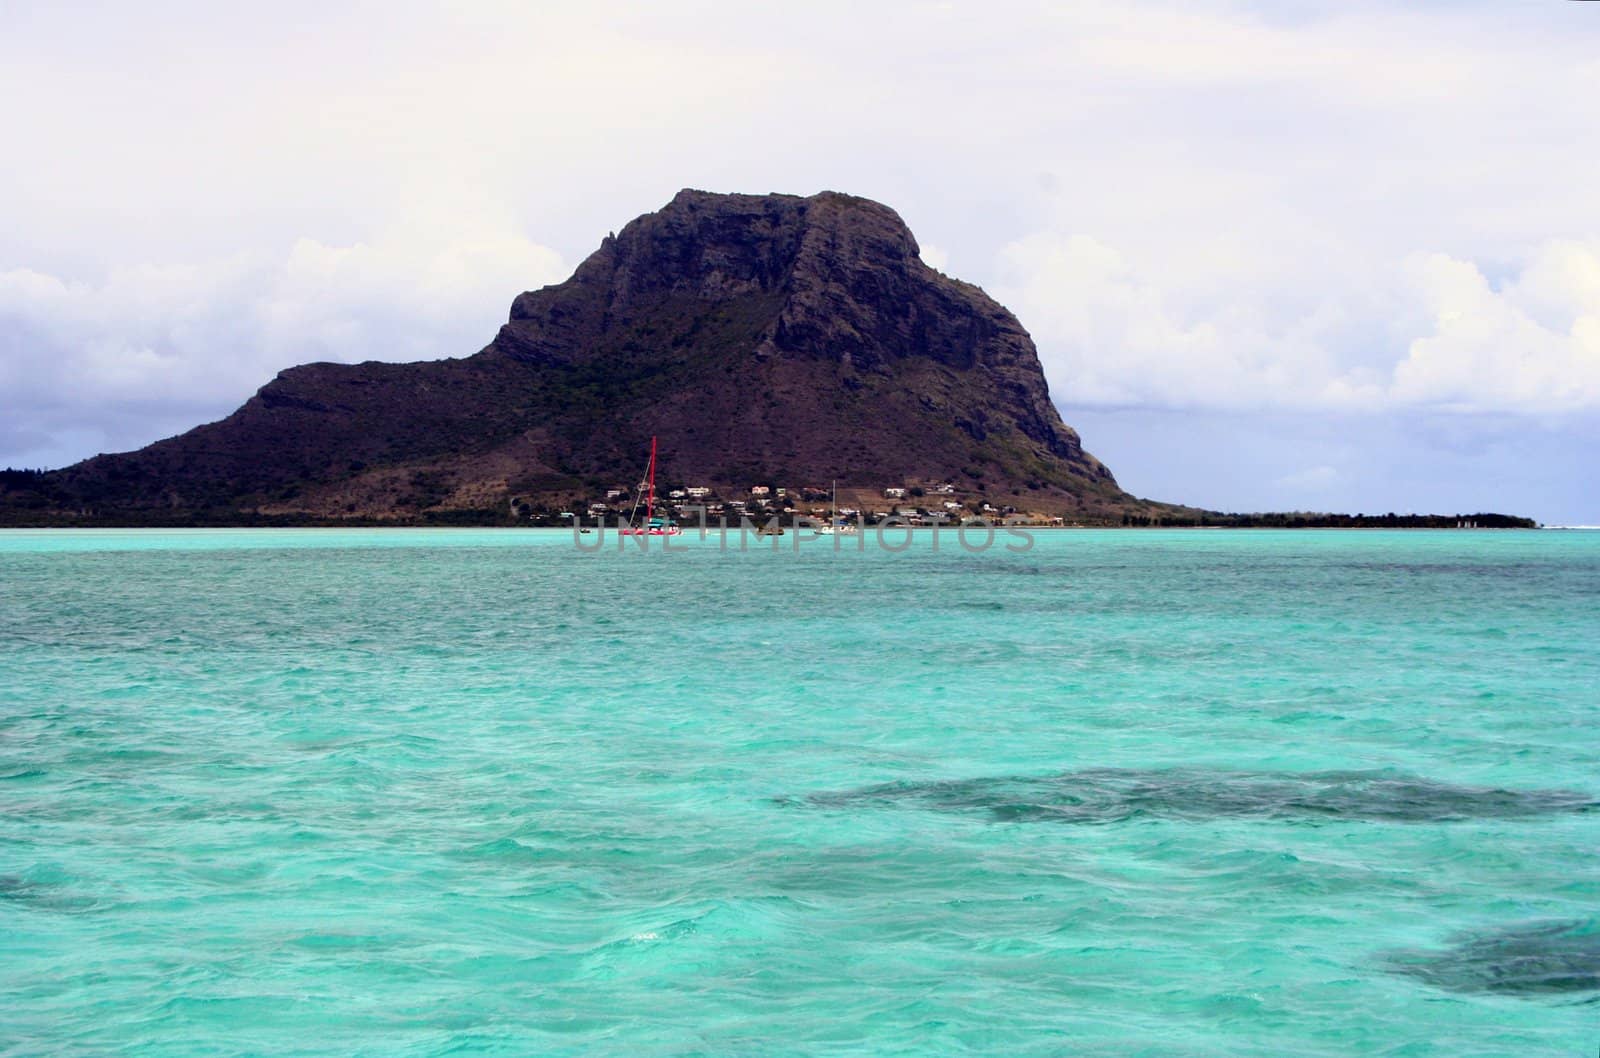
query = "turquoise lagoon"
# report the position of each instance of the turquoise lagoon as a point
(418, 792)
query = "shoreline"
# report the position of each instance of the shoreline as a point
(692, 531)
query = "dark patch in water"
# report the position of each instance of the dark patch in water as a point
(41, 895)
(13, 887)
(1531, 958)
(1109, 795)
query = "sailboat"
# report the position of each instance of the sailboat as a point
(834, 528)
(652, 526)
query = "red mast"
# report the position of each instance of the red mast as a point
(650, 504)
(649, 484)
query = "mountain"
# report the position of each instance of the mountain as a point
(764, 339)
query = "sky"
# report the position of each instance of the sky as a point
(1286, 256)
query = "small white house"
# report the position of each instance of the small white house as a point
(678, 494)
(759, 490)
(894, 494)
(698, 491)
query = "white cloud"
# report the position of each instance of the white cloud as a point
(1533, 345)
(169, 342)
(1113, 333)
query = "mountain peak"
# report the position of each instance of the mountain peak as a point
(771, 338)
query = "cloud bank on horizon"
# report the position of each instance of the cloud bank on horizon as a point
(1353, 209)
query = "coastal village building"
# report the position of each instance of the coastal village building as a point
(894, 494)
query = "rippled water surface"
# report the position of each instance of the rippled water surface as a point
(400, 793)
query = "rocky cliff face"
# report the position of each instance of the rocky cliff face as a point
(762, 338)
